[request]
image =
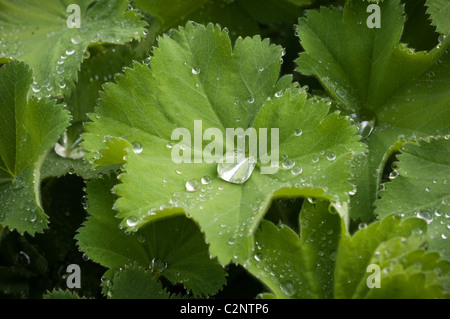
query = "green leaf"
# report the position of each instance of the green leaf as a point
(242, 17)
(392, 92)
(173, 247)
(326, 262)
(135, 282)
(54, 50)
(421, 189)
(294, 267)
(439, 11)
(396, 247)
(29, 127)
(196, 75)
(61, 294)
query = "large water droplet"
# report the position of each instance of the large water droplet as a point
(235, 167)
(195, 70)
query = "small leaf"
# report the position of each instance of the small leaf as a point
(29, 129)
(135, 282)
(173, 247)
(326, 262)
(421, 189)
(61, 294)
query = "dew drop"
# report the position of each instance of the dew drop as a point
(23, 258)
(70, 51)
(132, 221)
(288, 163)
(393, 175)
(331, 156)
(137, 148)
(76, 39)
(206, 180)
(425, 215)
(195, 70)
(192, 185)
(261, 68)
(297, 170)
(298, 132)
(158, 265)
(251, 100)
(288, 288)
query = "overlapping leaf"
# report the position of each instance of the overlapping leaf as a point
(393, 92)
(29, 127)
(38, 32)
(173, 248)
(421, 189)
(242, 17)
(196, 75)
(326, 262)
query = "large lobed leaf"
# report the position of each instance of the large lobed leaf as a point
(29, 128)
(196, 75)
(385, 86)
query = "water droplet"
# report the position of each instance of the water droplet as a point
(251, 100)
(70, 51)
(231, 241)
(288, 163)
(279, 94)
(365, 129)
(76, 39)
(298, 132)
(288, 288)
(341, 93)
(141, 238)
(258, 256)
(235, 167)
(86, 54)
(158, 265)
(425, 215)
(195, 70)
(132, 221)
(362, 226)
(192, 185)
(261, 68)
(297, 170)
(315, 159)
(431, 74)
(205, 180)
(137, 148)
(393, 175)
(331, 156)
(23, 258)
